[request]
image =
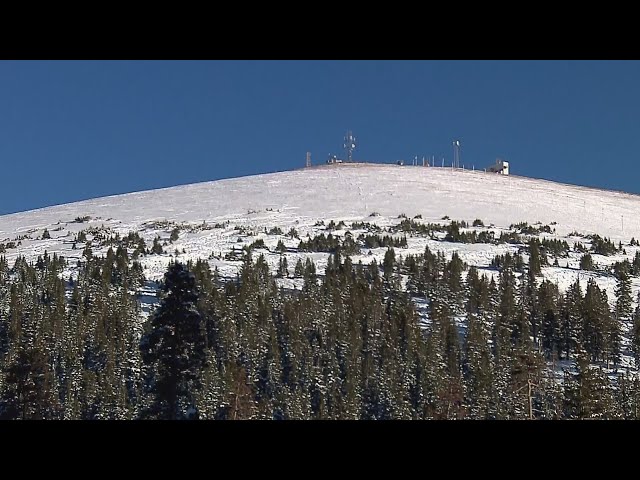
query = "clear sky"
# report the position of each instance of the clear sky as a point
(72, 130)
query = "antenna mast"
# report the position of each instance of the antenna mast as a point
(456, 154)
(308, 164)
(349, 145)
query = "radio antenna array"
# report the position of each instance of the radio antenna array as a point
(349, 145)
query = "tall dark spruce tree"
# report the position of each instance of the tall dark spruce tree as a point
(624, 302)
(635, 332)
(173, 349)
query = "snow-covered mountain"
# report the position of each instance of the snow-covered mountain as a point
(349, 192)
(355, 191)
(212, 219)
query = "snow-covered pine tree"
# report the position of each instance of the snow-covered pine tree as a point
(173, 347)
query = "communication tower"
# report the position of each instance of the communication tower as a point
(456, 154)
(349, 145)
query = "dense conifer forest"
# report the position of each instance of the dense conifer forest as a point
(348, 345)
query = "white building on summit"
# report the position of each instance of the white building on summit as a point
(500, 167)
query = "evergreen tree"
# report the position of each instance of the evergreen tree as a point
(623, 295)
(299, 269)
(635, 334)
(571, 326)
(29, 390)
(534, 257)
(626, 396)
(452, 276)
(173, 348)
(478, 292)
(478, 369)
(551, 339)
(157, 247)
(389, 262)
(283, 267)
(586, 262)
(593, 333)
(588, 393)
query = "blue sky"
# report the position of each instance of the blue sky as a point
(72, 130)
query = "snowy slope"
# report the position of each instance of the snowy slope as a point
(355, 191)
(339, 192)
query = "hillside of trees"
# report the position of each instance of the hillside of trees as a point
(349, 344)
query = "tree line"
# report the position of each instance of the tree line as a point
(349, 344)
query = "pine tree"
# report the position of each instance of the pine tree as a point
(157, 247)
(452, 276)
(593, 332)
(635, 334)
(299, 268)
(478, 296)
(506, 318)
(588, 394)
(173, 348)
(571, 326)
(29, 391)
(626, 396)
(478, 369)
(283, 268)
(389, 262)
(548, 297)
(586, 262)
(623, 295)
(534, 257)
